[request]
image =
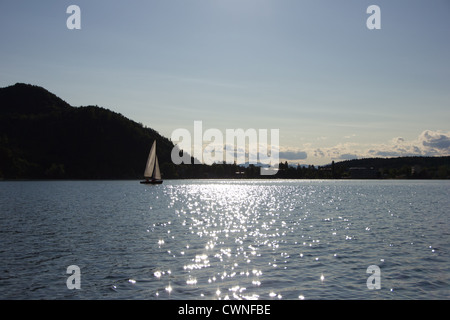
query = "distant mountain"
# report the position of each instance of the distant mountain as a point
(42, 136)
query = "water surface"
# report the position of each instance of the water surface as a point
(225, 239)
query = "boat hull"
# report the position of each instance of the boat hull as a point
(152, 182)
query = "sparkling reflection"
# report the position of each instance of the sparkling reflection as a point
(235, 239)
(256, 239)
(240, 225)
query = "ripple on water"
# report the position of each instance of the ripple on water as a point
(227, 239)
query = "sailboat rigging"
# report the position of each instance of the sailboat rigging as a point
(152, 174)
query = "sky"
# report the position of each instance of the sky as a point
(334, 89)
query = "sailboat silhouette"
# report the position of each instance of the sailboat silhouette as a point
(152, 174)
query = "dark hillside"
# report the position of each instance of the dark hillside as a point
(25, 99)
(41, 136)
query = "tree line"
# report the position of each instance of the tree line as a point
(43, 137)
(391, 168)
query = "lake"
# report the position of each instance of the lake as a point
(225, 239)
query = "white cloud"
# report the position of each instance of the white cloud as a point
(428, 143)
(435, 142)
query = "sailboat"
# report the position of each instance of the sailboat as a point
(152, 174)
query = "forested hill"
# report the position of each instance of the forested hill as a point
(412, 167)
(43, 137)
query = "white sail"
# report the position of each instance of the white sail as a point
(148, 173)
(157, 175)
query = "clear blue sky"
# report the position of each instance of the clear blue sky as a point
(335, 89)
